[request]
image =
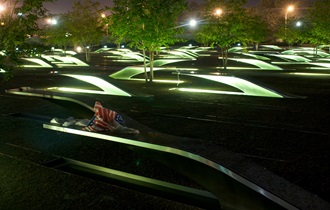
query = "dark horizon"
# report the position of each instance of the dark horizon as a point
(61, 6)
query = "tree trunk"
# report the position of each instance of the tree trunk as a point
(88, 54)
(151, 64)
(226, 57)
(223, 58)
(145, 65)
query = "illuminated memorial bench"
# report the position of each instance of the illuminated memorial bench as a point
(37, 63)
(64, 61)
(231, 181)
(246, 87)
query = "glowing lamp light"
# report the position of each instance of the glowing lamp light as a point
(218, 12)
(78, 49)
(290, 8)
(52, 21)
(193, 23)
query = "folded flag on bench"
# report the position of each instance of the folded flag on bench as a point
(106, 119)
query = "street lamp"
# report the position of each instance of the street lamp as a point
(289, 9)
(2, 8)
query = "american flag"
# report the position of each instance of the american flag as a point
(104, 119)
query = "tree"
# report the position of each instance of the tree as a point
(84, 23)
(18, 22)
(58, 34)
(273, 12)
(292, 32)
(226, 29)
(318, 20)
(147, 24)
(257, 29)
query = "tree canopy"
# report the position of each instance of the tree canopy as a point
(147, 24)
(18, 22)
(84, 24)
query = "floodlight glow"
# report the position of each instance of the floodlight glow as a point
(260, 64)
(310, 74)
(258, 57)
(42, 64)
(162, 62)
(68, 61)
(248, 88)
(79, 49)
(297, 58)
(324, 60)
(2, 71)
(298, 24)
(194, 90)
(2, 8)
(76, 90)
(108, 88)
(162, 81)
(129, 72)
(324, 65)
(274, 47)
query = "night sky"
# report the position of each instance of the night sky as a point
(61, 6)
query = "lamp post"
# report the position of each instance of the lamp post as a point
(289, 9)
(2, 8)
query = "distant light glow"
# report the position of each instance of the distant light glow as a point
(52, 21)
